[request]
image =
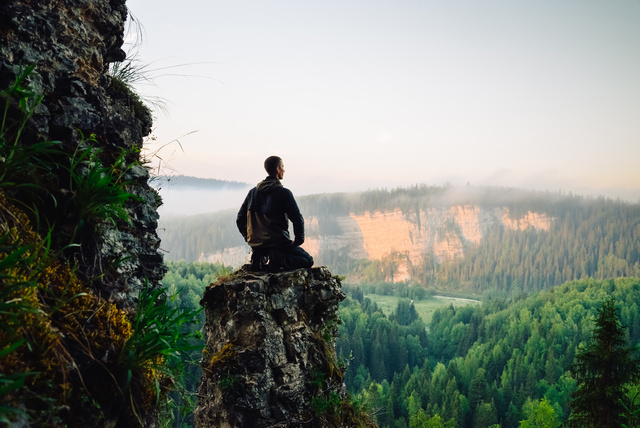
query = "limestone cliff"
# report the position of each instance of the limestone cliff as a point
(269, 358)
(442, 233)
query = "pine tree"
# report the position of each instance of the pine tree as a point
(477, 389)
(602, 371)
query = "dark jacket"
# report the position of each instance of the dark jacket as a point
(263, 219)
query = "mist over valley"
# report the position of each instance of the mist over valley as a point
(185, 195)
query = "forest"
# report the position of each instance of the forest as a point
(501, 363)
(478, 365)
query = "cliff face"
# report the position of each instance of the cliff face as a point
(442, 233)
(269, 358)
(71, 43)
(77, 219)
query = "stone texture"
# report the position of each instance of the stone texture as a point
(71, 43)
(269, 349)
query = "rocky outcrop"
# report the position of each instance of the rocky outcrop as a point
(75, 199)
(71, 43)
(269, 357)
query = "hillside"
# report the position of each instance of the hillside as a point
(457, 238)
(489, 362)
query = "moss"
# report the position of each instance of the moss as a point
(352, 414)
(226, 354)
(240, 272)
(329, 407)
(331, 366)
(103, 325)
(59, 329)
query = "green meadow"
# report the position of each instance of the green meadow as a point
(425, 308)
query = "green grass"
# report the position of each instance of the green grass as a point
(425, 308)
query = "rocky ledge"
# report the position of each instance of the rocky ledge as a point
(269, 358)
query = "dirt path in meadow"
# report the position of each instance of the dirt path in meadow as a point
(457, 299)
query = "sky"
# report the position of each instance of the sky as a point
(364, 94)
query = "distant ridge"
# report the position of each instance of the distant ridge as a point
(471, 239)
(184, 181)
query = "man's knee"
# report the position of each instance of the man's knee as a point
(289, 258)
(307, 260)
(304, 259)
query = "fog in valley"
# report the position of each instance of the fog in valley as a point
(191, 201)
(181, 197)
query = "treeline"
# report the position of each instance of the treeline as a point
(497, 363)
(182, 181)
(190, 236)
(410, 199)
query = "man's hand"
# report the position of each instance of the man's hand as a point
(298, 241)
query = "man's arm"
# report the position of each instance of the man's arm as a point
(241, 218)
(293, 212)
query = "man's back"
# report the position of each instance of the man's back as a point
(263, 221)
(266, 212)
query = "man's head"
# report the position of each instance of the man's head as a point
(274, 167)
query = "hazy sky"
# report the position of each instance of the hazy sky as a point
(357, 94)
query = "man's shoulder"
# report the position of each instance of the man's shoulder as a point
(285, 191)
(251, 192)
(280, 189)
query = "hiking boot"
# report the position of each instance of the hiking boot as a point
(259, 262)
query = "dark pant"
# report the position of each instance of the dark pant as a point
(287, 257)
